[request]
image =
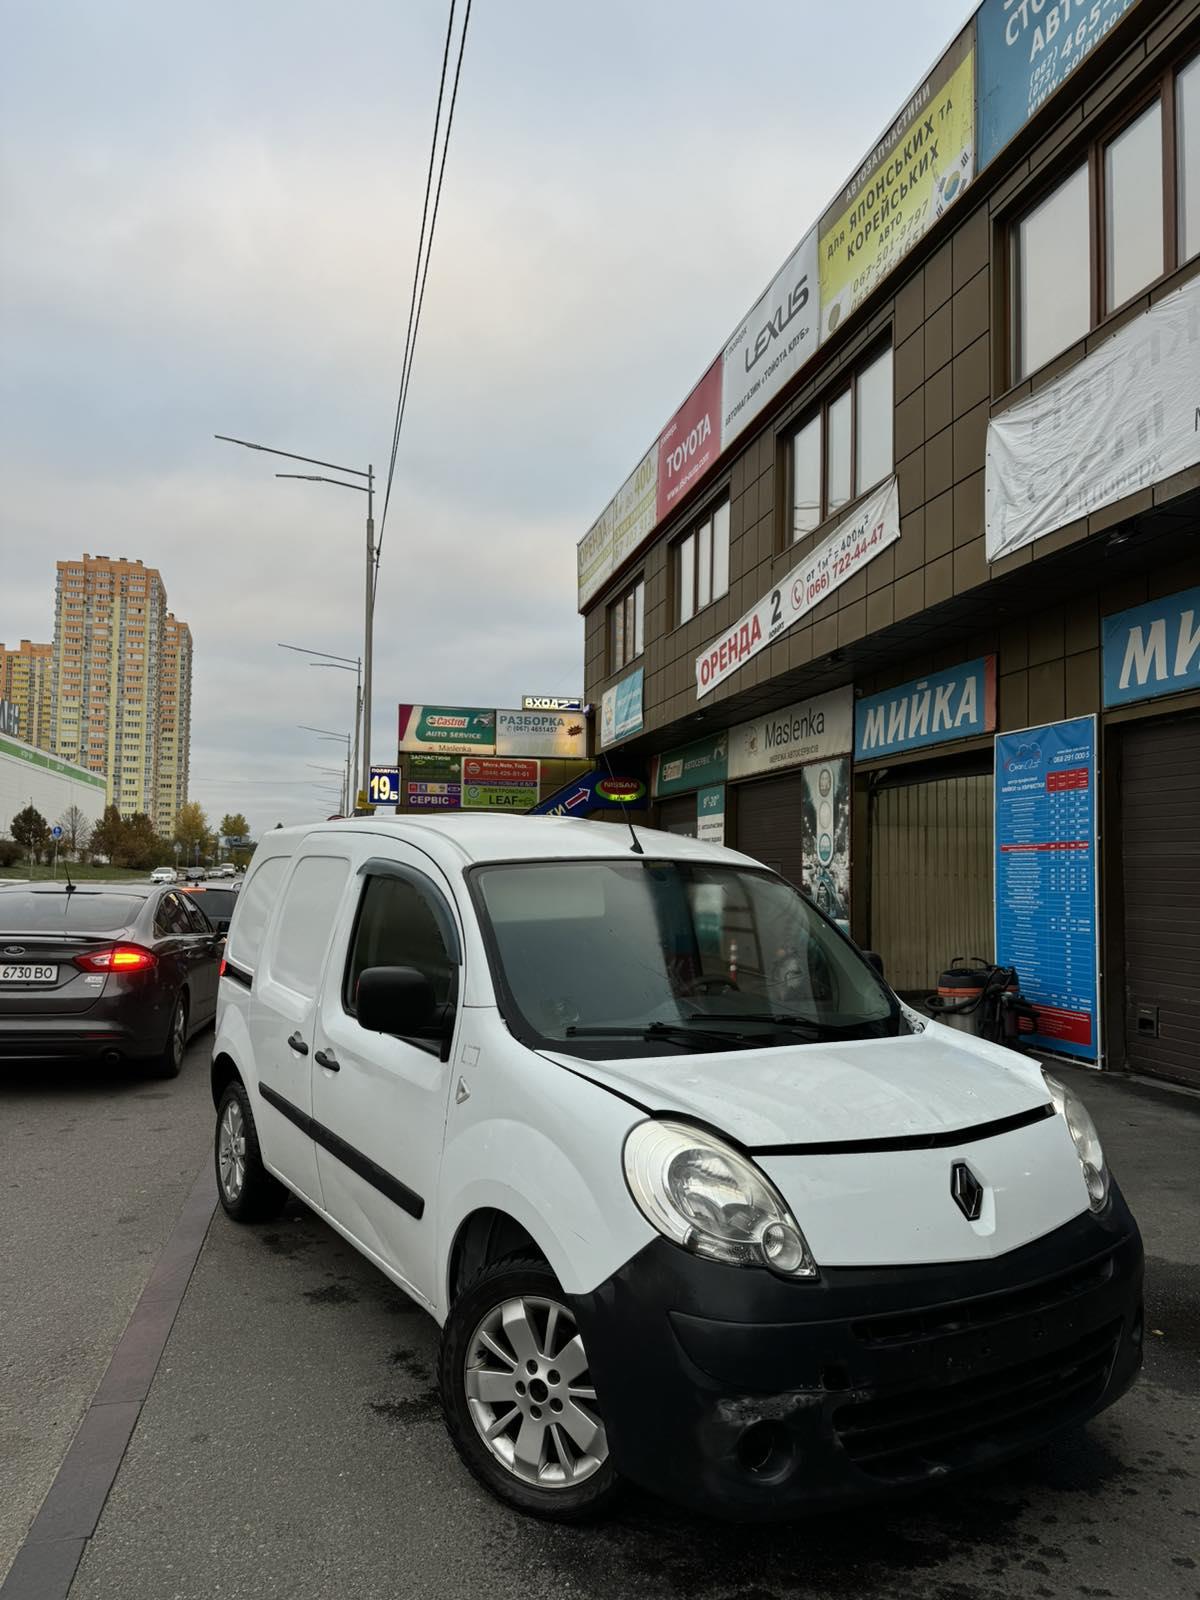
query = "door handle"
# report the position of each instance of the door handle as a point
(327, 1059)
(297, 1044)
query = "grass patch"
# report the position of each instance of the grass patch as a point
(81, 872)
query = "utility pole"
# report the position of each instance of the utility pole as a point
(368, 638)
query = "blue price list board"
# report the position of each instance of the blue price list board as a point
(1047, 906)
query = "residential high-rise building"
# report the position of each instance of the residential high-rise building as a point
(110, 639)
(174, 720)
(26, 681)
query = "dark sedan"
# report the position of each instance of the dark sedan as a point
(105, 971)
(216, 900)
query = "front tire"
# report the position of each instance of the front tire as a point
(248, 1191)
(518, 1397)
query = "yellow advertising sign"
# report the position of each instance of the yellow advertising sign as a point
(918, 169)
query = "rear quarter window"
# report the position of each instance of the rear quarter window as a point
(253, 910)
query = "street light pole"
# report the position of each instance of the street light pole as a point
(369, 595)
(328, 733)
(340, 664)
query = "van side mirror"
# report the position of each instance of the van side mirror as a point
(396, 1000)
(873, 959)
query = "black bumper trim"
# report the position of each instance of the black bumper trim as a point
(941, 1140)
(867, 1381)
(370, 1171)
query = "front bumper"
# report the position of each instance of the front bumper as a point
(731, 1390)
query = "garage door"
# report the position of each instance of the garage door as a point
(1160, 868)
(770, 824)
(931, 876)
(678, 815)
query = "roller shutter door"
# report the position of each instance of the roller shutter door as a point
(1160, 869)
(931, 876)
(770, 824)
(678, 815)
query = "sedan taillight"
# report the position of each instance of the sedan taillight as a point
(118, 958)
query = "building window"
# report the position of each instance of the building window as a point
(702, 564)
(1187, 155)
(1125, 217)
(1053, 277)
(627, 626)
(1133, 208)
(844, 448)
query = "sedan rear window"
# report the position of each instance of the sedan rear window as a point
(55, 911)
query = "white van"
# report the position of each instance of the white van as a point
(695, 1199)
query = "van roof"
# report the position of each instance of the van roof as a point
(464, 838)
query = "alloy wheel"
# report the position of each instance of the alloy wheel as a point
(531, 1396)
(231, 1151)
(178, 1033)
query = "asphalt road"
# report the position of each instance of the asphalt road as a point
(94, 1166)
(291, 1446)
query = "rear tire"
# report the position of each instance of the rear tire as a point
(248, 1191)
(170, 1063)
(511, 1328)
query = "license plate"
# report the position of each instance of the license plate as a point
(27, 974)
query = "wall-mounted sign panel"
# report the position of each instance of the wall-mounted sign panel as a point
(773, 340)
(1152, 649)
(553, 734)
(810, 730)
(1047, 884)
(955, 704)
(621, 709)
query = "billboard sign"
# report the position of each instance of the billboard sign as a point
(1120, 420)
(772, 342)
(690, 443)
(10, 719)
(621, 528)
(1026, 53)
(592, 791)
(825, 838)
(1047, 885)
(433, 769)
(459, 729)
(710, 814)
(498, 783)
(954, 704)
(1153, 649)
(555, 734)
(551, 702)
(383, 788)
(919, 168)
(434, 796)
(621, 709)
(810, 730)
(693, 766)
(853, 544)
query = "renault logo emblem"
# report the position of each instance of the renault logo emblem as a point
(967, 1190)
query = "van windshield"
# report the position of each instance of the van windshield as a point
(610, 958)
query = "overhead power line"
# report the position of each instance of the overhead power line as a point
(424, 251)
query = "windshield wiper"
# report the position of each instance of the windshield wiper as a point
(675, 1032)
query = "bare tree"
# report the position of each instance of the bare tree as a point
(76, 831)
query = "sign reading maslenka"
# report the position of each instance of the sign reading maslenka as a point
(853, 544)
(1126, 416)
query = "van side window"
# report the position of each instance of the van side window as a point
(398, 927)
(253, 910)
(306, 920)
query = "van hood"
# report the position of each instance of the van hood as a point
(937, 1081)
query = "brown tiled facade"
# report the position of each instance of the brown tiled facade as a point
(933, 599)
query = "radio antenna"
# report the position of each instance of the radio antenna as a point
(635, 847)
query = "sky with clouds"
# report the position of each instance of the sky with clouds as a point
(208, 217)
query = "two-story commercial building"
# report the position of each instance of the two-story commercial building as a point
(905, 599)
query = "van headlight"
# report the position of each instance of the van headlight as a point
(706, 1196)
(1087, 1141)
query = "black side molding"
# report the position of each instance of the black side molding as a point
(910, 1141)
(238, 974)
(370, 1171)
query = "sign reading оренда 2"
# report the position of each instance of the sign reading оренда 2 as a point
(865, 534)
(1047, 892)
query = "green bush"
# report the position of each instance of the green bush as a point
(10, 852)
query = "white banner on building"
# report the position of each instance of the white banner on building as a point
(810, 730)
(625, 523)
(866, 533)
(773, 341)
(1125, 417)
